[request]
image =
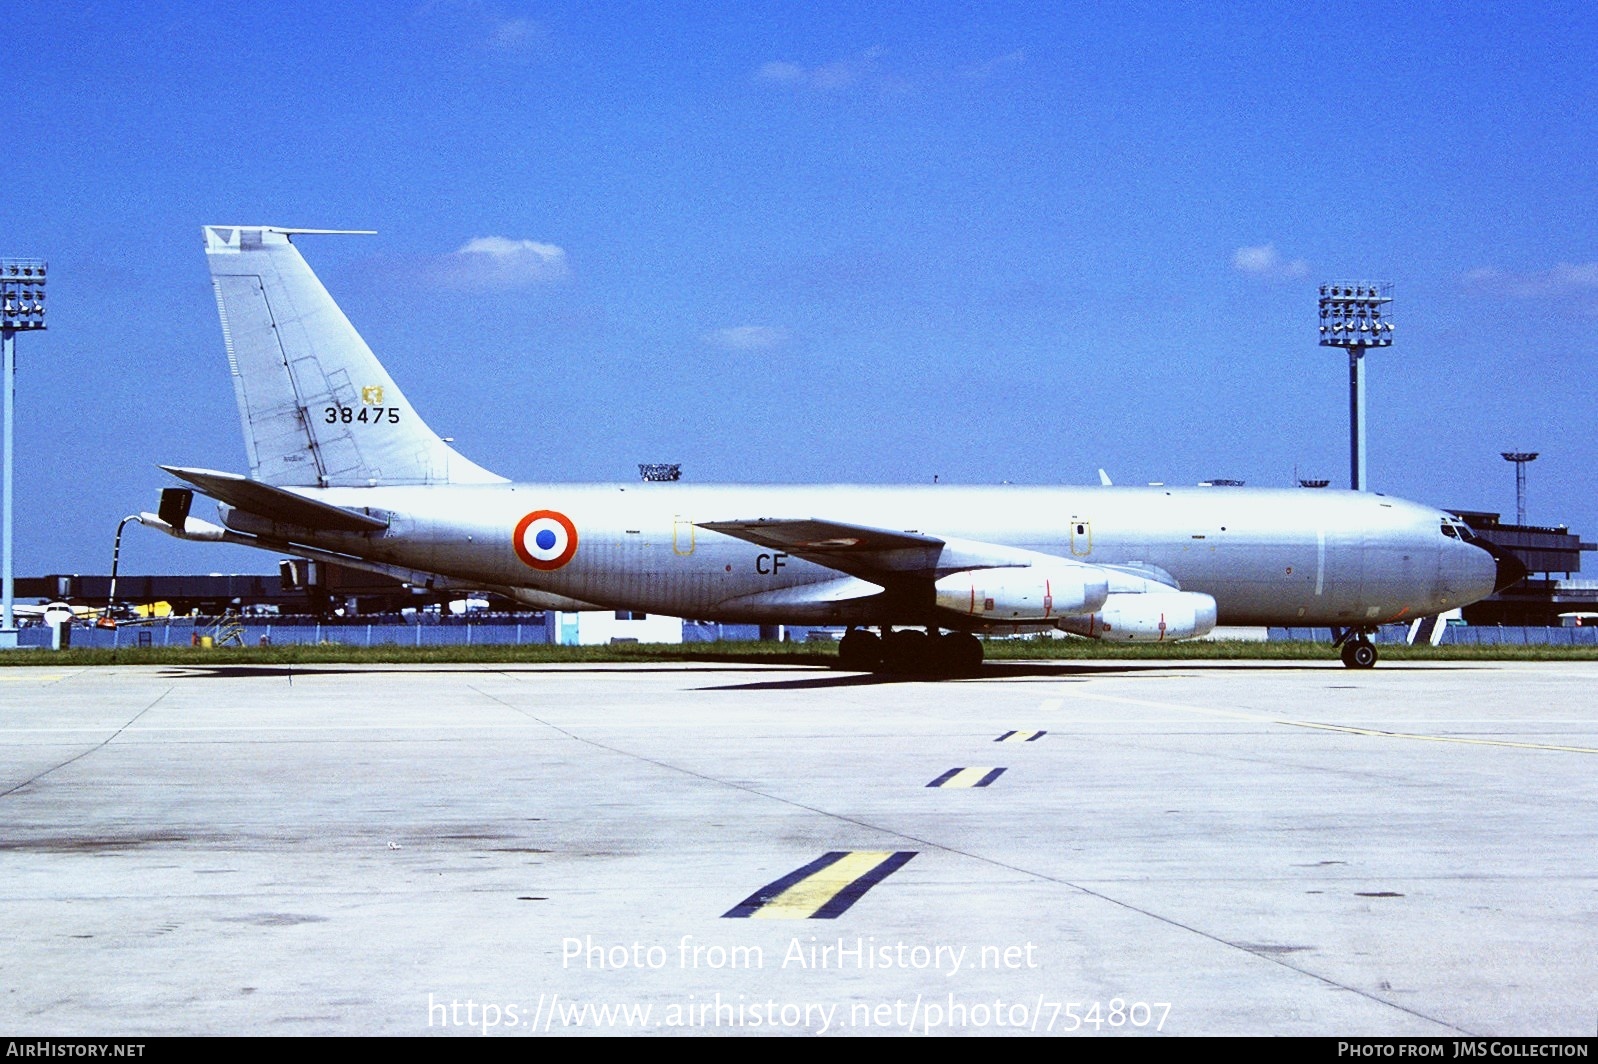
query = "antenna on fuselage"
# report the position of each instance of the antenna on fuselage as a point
(659, 471)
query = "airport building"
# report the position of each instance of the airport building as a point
(1552, 593)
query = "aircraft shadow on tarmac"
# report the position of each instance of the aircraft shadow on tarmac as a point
(870, 679)
(245, 672)
(1026, 671)
(808, 674)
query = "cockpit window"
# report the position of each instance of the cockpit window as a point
(1454, 528)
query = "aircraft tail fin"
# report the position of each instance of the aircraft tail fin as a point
(317, 407)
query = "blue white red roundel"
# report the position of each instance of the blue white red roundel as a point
(545, 539)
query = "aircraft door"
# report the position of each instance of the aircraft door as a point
(1081, 537)
(682, 535)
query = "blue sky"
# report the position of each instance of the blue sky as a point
(820, 242)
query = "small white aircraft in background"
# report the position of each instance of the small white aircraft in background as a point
(54, 613)
(342, 468)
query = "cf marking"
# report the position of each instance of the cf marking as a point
(823, 889)
(766, 564)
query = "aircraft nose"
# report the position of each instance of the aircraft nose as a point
(1506, 569)
(1510, 568)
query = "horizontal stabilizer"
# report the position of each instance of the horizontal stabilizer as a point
(277, 504)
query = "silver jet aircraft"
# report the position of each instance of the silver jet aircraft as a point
(343, 469)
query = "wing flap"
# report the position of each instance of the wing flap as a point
(818, 536)
(858, 550)
(277, 504)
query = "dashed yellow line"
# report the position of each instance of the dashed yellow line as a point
(1377, 733)
(823, 889)
(967, 777)
(1261, 718)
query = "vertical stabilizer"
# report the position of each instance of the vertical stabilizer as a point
(318, 409)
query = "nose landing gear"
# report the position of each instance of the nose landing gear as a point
(1358, 652)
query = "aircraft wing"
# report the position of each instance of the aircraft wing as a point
(879, 555)
(820, 535)
(277, 504)
(877, 558)
(858, 550)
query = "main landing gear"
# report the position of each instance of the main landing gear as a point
(1358, 651)
(910, 651)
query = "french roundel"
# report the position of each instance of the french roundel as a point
(545, 539)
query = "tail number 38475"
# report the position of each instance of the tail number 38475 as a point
(371, 415)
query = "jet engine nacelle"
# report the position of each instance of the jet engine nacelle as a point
(1151, 616)
(1026, 593)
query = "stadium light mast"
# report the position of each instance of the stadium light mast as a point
(1520, 458)
(21, 310)
(1355, 315)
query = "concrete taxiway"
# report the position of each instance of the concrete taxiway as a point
(1189, 848)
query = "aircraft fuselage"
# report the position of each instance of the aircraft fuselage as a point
(1287, 557)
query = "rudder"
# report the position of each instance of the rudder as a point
(318, 409)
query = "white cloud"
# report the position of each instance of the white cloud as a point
(499, 262)
(515, 34)
(480, 25)
(1570, 284)
(783, 73)
(1264, 261)
(995, 67)
(748, 337)
(829, 77)
(888, 73)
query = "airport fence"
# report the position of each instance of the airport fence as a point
(1460, 635)
(188, 631)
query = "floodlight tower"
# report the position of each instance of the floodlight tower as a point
(1520, 458)
(1355, 315)
(21, 309)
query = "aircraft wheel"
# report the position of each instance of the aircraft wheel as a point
(960, 653)
(859, 650)
(1359, 654)
(905, 650)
